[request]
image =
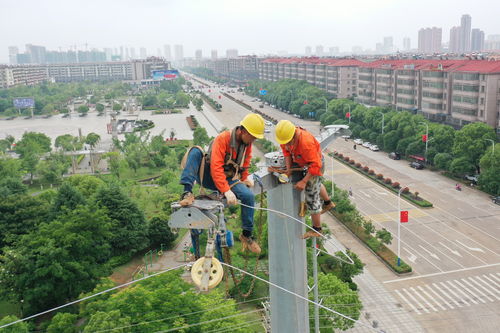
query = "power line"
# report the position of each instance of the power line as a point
(301, 297)
(248, 323)
(182, 315)
(91, 296)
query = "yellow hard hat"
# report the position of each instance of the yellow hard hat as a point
(254, 124)
(284, 131)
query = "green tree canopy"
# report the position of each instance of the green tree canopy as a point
(470, 142)
(83, 109)
(200, 137)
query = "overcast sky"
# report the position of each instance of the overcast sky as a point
(251, 26)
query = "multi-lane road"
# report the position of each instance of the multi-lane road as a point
(454, 247)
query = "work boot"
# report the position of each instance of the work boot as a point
(187, 199)
(311, 233)
(249, 244)
(327, 208)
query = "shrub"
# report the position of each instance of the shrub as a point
(371, 172)
(365, 169)
(416, 194)
(346, 158)
(395, 185)
(335, 153)
(341, 155)
(380, 176)
(388, 180)
(406, 190)
(358, 165)
(351, 162)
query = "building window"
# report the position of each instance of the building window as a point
(482, 101)
(482, 89)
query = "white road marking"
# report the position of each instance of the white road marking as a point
(452, 251)
(496, 278)
(440, 297)
(446, 294)
(479, 291)
(489, 288)
(494, 282)
(420, 306)
(482, 287)
(462, 286)
(470, 248)
(425, 300)
(441, 273)
(365, 194)
(406, 301)
(454, 293)
(429, 252)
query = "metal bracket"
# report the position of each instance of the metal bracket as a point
(200, 215)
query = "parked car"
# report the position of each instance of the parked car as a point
(267, 130)
(346, 137)
(366, 144)
(395, 155)
(268, 123)
(374, 148)
(472, 178)
(261, 106)
(496, 200)
(358, 141)
(417, 165)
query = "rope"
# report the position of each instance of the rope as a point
(91, 296)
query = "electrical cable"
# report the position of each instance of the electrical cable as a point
(182, 315)
(91, 296)
(351, 262)
(245, 324)
(303, 298)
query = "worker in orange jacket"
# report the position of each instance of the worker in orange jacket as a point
(301, 148)
(225, 169)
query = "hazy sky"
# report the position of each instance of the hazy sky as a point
(252, 26)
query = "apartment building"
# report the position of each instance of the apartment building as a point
(11, 76)
(337, 76)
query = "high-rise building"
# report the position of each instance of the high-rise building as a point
(158, 52)
(198, 54)
(132, 53)
(109, 53)
(319, 50)
(388, 45)
(429, 40)
(357, 49)
(37, 53)
(178, 52)
(454, 45)
(213, 55)
(333, 51)
(122, 53)
(127, 55)
(492, 42)
(166, 52)
(477, 40)
(231, 53)
(143, 54)
(13, 52)
(465, 30)
(406, 44)
(308, 51)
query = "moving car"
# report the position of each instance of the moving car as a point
(395, 155)
(358, 141)
(496, 200)
(374, 148)
(417, 165)
(472, 178)
(366, 144)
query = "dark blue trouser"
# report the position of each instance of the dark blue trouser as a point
(191, 173)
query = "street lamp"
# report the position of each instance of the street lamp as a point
(493, 144)
(426, 138)
(383, 116)
(349, 106)
(399, 225)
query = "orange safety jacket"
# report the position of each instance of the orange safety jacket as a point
(220, 148)
(305, 152)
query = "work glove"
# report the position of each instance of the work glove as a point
(248, 182)
(231, 198)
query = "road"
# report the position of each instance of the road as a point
(454, 248)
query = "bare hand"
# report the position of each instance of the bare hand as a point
(300, 186)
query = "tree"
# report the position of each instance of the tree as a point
(369, 227)
(490, 169)
(67, 198)
(32, 142)
(83, 109)
(117, 107)
(338, 294)
(200, 137)
(114, 162)
(461, 166)
(443, 160)
(52, 168)
(10, 168)
(48, 109)
(159, 232)
(92, 139)
(30, 162)
(10, 186)
(384, 236)
(63, 322)
(58, 261)
(87, 185)
(110, 320)
(129, 226)
(21, 327)
(470, 142)
(99, 107)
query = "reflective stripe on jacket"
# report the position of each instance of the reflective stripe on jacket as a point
(305, 152)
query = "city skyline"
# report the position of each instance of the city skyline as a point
(258, 28)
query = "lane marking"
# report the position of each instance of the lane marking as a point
(430, 253)
(479, 291)
(440, 297)
(446, 294)
(406, 301)
(461, 291)
(494, 282)
(470, 248)
(455, 294)
(441, 273)
(420, 306)
(492, 288)
(412, 257)
(452, 251)
(496, 278)
(481, 286)
(424, 299)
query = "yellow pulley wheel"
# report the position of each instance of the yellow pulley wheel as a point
(216, 272)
